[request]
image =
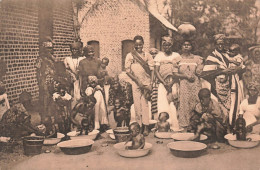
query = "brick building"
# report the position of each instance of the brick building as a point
(112, 26)
(23, 25)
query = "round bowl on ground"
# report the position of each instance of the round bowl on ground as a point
(91, 135)
(187, 137)
(152, 124)
(121, 134)
(254, 141)
(53, 141)
(120, 149)
(187, 149)
(76, 147)
(163, 135)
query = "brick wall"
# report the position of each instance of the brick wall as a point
(62, 28)
(110, 26)
(19, 48)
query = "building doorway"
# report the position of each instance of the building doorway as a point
(127, 47)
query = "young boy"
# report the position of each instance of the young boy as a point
(121, 113)
(163, 125)
(208, 118)
(137, 138)
(102, 72)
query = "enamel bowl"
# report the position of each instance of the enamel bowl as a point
(187, 136)
(254, 141)
(187, 149)
(91, 135)
(53, 141)
(76, 147)
(122, 151)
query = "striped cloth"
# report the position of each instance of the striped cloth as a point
(154, 97)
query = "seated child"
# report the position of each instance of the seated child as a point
(84, 109)
(208, 118)
(163, 125)
(121, 113)
(137, 138)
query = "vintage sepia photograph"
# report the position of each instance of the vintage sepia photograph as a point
(129, 84)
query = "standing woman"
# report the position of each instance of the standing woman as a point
(71, 64)
(165, 66)
(45, 76)
(139, 66)
(217, 72)
(190, 67)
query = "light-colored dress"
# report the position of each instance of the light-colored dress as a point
(251, 112)
(166, 64)
(4, 105)
(140, 102)
(221, 90)
(72, 64)
(188, 90)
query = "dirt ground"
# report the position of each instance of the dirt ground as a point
(106, 158)
(160, 157)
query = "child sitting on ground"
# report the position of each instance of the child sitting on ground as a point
(163, 125)
(137, 138)
(121, 113)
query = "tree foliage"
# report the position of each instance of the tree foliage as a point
(233, 17)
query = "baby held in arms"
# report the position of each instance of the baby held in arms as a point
(137, 138)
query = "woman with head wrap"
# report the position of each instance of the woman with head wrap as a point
(165, 67)
(218, 73)
(139, 66)
(252, 72)
(45, 75)
(72, 64)
(190, 66)
(250, 108)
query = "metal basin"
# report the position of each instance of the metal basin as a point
(76, 147)
(187, 149)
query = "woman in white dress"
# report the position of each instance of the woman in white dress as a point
(165, 66)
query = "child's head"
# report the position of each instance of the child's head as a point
(115, 82)
(234, 50)
(153, 52)
(163, 116)
(84, 123)
(118, 103)
(104, 62)
(93, 81)
(89, 101)
(169, 80)
(204, 96)
(134, 129)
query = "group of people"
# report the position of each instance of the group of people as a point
(180, 90)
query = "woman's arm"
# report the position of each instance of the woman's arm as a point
(158, 75)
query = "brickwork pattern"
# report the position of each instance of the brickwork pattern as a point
(111, 26)
(19, 46)
(63, 33)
